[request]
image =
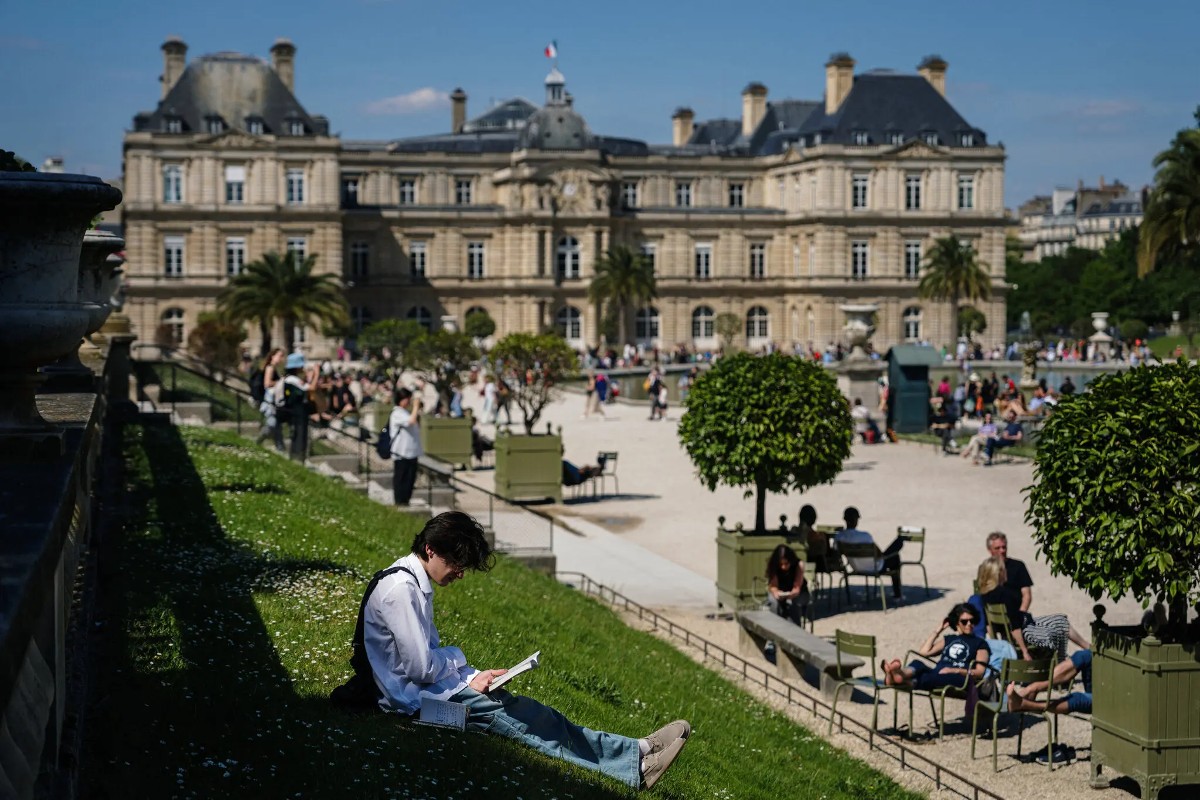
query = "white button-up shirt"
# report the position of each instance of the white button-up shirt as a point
(406, 439)
(402, 642)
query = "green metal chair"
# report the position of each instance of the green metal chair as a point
(863, 646)
(827, 565)
(1019, 671)
(913, 535)
(865, 551)
(956, 692)
(998, 625)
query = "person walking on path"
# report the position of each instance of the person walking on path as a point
(406, 444)
(409, 662)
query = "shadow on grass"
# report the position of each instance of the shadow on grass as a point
(190, 696)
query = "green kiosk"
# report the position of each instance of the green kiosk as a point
(908, 381)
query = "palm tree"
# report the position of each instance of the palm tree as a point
(623, 277)
(954, 272)
(284, 287)
(1171, 224)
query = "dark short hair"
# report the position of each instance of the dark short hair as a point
(959, 610)
(458, 538)
(403, 393)
(808, 514)
(851, 511)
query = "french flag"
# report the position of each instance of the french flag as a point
(552, 50)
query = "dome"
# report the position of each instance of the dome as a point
(556, 128)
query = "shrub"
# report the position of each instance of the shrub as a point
(479, 325)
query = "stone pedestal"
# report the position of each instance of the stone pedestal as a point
(860, 378)
(1100, 341)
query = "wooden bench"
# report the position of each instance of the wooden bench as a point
(799, 655)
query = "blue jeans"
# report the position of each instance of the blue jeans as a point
(549, 732)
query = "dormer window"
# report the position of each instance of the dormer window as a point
(254, 126)
(816, 139)
(967, 140)
(860, 138)
(930, 138)
(214, 124)
(173, 124)
(896, 138)
(295, 126)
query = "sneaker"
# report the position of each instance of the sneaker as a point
(661, 738)
(655, 765)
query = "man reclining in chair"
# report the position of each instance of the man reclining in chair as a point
(888, 560)
(573, 475)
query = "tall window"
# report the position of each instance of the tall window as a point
(172, 183)
(858, 191)
(235, 255)
(781, 191)
(422, 316)
(567, 258)
(912, 324)
(360, 260)
(912, 260)
(967, 140)
(172, 320)
(235, 184)
(812, 257)
(629, 194)
(475, 260)
(649, 253)
(569, 322)
(912, 192)
(703, 323)
(683, 194)
(295, 186)
(297, 248)
(758, 323)
(462, 192)
(416, 259)
(360, 317)
(704, 261)
(758, 261)
(966, 191)
(737, 195)
(173, 256)
(408, 191)
(350, 191)
(646, 323)
(860, 256)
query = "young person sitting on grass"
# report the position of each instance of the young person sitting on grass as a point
(961, 652)
(408, 662)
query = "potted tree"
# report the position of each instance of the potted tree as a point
(1115, 505)
(389, 344)
(770, 424)
(440, 358)
(534, 367)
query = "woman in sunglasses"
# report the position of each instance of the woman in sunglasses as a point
(961, 652)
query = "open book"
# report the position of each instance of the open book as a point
(524, 666)
(443, 714)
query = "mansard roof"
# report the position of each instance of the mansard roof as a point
(235, 88)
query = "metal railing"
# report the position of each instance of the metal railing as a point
(890, 746)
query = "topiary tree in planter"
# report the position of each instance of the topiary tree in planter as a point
(479, 325)
(534, 366)
(770, 424)
(1115, 506)
(440, 357)
(391, 341)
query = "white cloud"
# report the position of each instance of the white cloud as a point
(414, 102)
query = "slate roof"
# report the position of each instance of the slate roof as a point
(1122, 206)
(234, 87)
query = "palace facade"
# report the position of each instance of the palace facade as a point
(779, 216)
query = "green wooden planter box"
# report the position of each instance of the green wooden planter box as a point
(742, 565)
(448, 439)
(1146, 709)
(529, 467)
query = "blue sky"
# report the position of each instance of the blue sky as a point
(1073, 89)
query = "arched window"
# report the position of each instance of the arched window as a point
(646, 323)
(795, 325)
(812, 325)
(568, 258)
(360, 317)
(912, 324)
(475, 310)
(569, 323)
(758, 323)
(421, 314)
(172, 323)
(703, 323)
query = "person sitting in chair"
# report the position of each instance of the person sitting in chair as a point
(888, 560)
(1011, 436)
(787, 590)
(573, 475)
(1021, 698)
(961, 651)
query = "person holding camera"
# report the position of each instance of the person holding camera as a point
(406, 444)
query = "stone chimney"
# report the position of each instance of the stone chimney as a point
(283, 61)
(682, 126)
(174, 61)
(754, 107)
(839, 79)
(458, 110)
(933, 69)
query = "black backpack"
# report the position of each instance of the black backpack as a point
(383, 445)
(360, 692)
(258, 386)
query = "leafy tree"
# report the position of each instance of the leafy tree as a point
(217, 342)
(771, 423)
(1133, 329)
(1115, 503)
(953, 272)
(1171, 224)
(285, 288)
(971, 321)
(728, 326)
(624, 277)
(479, 325)
(440, 357)
(534, 366)
(392, 342)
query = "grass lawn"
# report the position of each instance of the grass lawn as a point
(1019, 450)
(1164, 346)
(229, 603)
(192, 388)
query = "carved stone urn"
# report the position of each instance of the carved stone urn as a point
(860, 324)
(42, 317)
(96, 267)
